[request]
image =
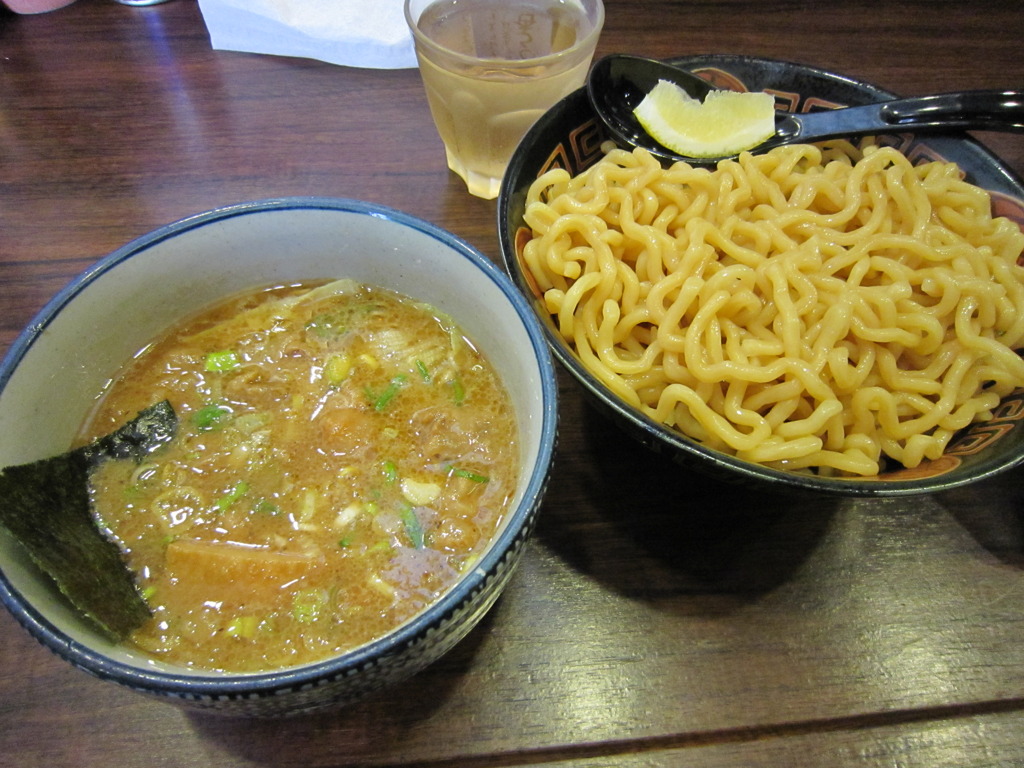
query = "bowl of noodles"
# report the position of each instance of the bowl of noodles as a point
(314, 433)
(845, 318)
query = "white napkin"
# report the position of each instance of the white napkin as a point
(356, 33)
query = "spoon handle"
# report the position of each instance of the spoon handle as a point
(966, 110)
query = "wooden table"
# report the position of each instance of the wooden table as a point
(658, 618)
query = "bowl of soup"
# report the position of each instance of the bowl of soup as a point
(358, 419)
(844, 318)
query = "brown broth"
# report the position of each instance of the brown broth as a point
(349, 456)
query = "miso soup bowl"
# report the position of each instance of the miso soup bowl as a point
(56, 367)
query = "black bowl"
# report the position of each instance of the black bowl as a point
(570, 136)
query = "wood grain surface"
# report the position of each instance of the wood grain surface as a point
(658, 617)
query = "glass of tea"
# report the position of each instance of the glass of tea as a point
(491, 68)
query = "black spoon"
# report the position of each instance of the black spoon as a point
(618, 83)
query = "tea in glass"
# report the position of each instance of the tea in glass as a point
(491, 68)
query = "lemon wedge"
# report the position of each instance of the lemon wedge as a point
(725, 123)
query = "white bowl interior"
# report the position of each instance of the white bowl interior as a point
(92, 328)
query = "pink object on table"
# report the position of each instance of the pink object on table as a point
(36, 6)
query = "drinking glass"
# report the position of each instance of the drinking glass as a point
(492, 67)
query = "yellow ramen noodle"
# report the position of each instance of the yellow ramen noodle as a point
(816, 307)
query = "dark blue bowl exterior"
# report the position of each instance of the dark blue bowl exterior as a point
(570, 136)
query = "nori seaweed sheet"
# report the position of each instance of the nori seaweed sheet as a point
(45, 505)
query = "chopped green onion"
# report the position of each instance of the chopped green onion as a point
(308, 605)
(337, 369)
(243, 626)
(468, 475)
(250, 422)
(232, 496)
(377, 583)
(413, 526)
(381, 401)
(420, 492)
(345, 542)
(211, 417)
(380, 546)
(266, 507)
(424, 373)
(225, 360)
(326, 325)
(390, 472)
(148, 592)
(458, 391)
(455, 337)
(132, 492)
